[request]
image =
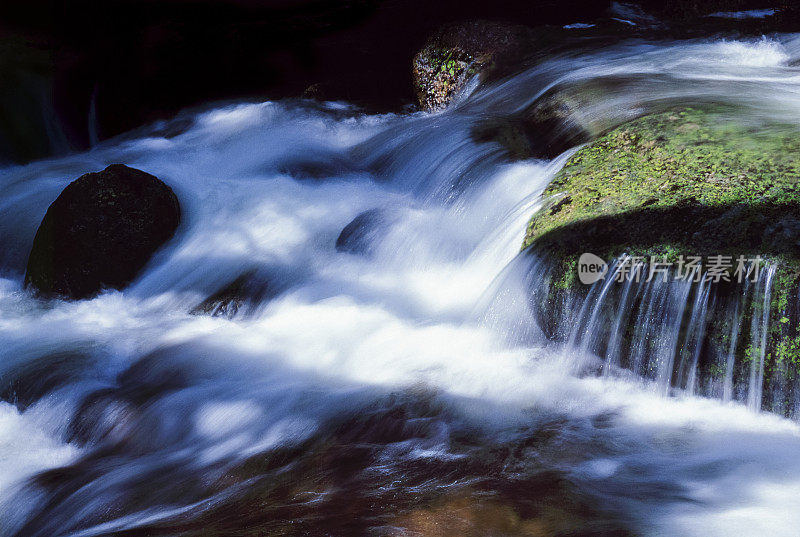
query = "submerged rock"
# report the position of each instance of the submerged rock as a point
(512, 135)
(356, 473)
(682, 183)
(100, 232)
(241, 296)
(554, 124)
(27, 382)
(544, 130)
(359, 236)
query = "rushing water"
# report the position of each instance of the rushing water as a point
(129, 412)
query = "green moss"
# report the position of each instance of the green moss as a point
(687, 182)
(439, 73)
(788, 352)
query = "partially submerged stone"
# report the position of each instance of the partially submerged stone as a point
(241, 296)
(362, 234)
(545, 130)
(459, 51)
(100, 232)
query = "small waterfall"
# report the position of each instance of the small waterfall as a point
(591, 308)
(759, 336)
(671, 335)
(727, 393)
(432, 364)
(693, 344)
(684, 335)
(612, 353)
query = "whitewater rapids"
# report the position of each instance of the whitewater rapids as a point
(438, 305)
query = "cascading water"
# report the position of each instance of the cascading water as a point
(363, 385)
(658, 328)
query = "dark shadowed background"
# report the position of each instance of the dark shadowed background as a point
(76, 71)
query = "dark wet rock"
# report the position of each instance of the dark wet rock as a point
(459, 51)
(100, 232)
(319, 167)
(783, 235)
(319, 91)
(553, 126)
(242, 295)
(558, 119)
(226, 302)
(510, 134)
(360, 235)
(103, 417)
(544, 130)
(114, 415)
(359, 475)
(31, 380)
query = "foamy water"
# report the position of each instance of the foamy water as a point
(438, 303)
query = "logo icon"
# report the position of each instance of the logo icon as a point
(591, 268)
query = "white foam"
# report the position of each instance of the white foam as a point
(750, 14)
(411, 313)
(28, 445)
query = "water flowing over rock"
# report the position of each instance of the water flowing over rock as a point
(366, 229)
(668, 187)
(481, 53)
(241, 296)
(101, 231)
(457, 52)
(414, 389)
(544, 130)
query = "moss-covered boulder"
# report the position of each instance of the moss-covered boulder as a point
(490, 51)
(100, 232)
(688, 182)
(459, 51)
